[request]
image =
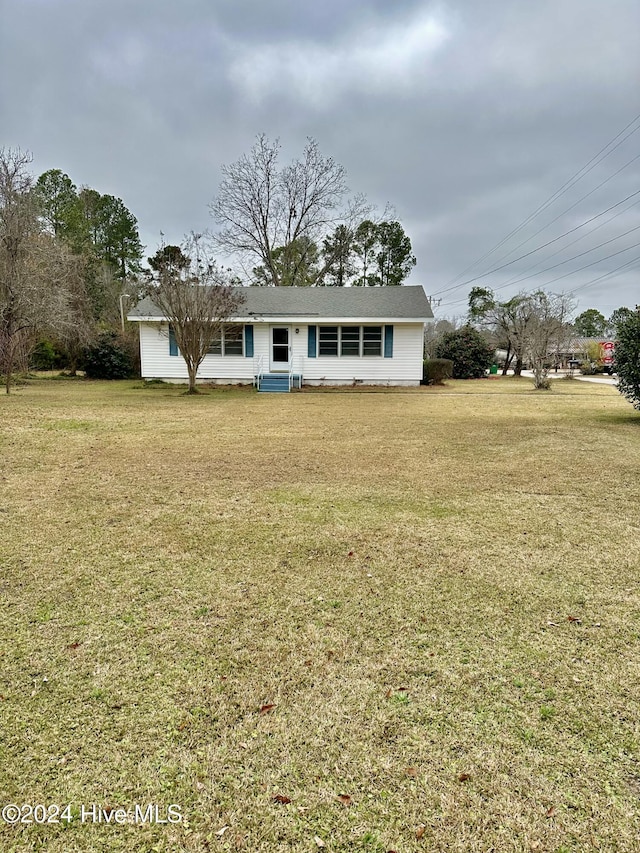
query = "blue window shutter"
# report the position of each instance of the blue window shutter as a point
(248, 341)
(311, 349)
(388, 341)
(173, 346)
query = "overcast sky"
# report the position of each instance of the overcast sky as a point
(465, 116)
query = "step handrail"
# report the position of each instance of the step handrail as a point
(258, 372)
(293, 372)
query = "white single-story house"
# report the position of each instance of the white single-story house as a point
(301, 335)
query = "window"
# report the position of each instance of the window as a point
(228, 341)
(233, 340)
(372, 340)
(350, 340)
(215, 347)
(328, 340)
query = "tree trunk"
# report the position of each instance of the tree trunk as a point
(192, 369)
(507, 360)
(8, 362)
(517, 370)
(540, 375)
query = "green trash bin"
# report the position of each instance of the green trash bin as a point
(493, 369)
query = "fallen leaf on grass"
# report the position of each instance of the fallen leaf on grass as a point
(464, 777)
(73, 646)
(350, 554)
(550, 811)
(282, 799)
(575, 619)
(420, 831)
(391, 691)
(222, 831)
(345, 799)
(319, 841)
(264, 709)
(411, 771)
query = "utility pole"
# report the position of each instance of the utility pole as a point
(120, 298)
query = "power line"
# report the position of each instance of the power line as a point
(606, 275)
(548, 243)
(560, 277)
(566, 210)
(582, 236)
(575, 257)
(591, 164)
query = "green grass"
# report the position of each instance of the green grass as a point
(436, 590)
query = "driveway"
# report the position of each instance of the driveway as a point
(599, 380)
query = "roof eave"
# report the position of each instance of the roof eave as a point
(289, 319)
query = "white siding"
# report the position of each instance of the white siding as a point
(404, 368)
(156, 363)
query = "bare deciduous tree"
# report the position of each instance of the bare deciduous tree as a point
(18, 224)
(195, 296)
(534, 326)
(507, 321)
(262, 207)
(435, 331)
(71, 321)
(548, 330)
(35, 270)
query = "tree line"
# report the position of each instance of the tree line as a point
(69, 255)
(65, 255)
(534, 330)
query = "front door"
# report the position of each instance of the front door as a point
(280, 350)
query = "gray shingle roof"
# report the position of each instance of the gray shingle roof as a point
(408, 302)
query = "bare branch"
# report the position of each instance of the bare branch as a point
(195, 296)
(262, 207)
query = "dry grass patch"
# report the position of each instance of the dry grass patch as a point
(413, 582)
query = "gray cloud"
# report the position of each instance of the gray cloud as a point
(464, 116)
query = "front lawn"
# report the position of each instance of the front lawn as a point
(343, 621)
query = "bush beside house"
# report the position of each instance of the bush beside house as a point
(109, 358)
(467, 349)
(436, 370)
